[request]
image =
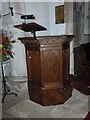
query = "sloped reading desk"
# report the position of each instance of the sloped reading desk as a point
(48, 68)
(30, 27)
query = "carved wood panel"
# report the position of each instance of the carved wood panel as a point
(51, 66)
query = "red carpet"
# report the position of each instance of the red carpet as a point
(87, 116)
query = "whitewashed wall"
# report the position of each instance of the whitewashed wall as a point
(41, 12)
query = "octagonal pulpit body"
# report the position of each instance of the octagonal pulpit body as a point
(48, 68)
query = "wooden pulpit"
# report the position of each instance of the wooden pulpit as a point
(48, 68)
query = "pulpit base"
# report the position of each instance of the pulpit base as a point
(52, 96)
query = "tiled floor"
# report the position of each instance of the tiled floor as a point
(22, 107)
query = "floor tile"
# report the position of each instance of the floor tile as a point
(64, 112)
